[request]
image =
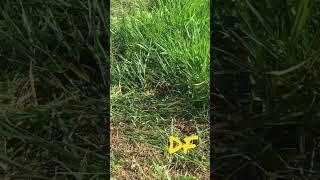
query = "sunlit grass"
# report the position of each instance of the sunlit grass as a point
(160, 80)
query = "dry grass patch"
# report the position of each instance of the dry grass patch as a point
(137, 153)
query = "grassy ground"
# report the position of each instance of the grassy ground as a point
(160, 79)
(52, 92)
(267, 89)
(52, 89)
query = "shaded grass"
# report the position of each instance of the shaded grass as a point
(52, 89)
(266, 52)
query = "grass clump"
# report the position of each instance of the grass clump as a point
(167, 44)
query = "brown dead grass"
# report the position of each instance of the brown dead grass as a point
(134, 157)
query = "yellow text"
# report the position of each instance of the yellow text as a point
(186, 146)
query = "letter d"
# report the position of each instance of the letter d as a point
(177, 148)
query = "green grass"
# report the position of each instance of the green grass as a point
(266, 52)
(175, 51)
(160, 80)
(53, 56)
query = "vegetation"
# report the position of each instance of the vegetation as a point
(160, 87)
(52, 89)
(267, 89)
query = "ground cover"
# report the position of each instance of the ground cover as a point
(52, 91)
(266, 89)
(160, 87)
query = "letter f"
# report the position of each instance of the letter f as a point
(188, 145)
